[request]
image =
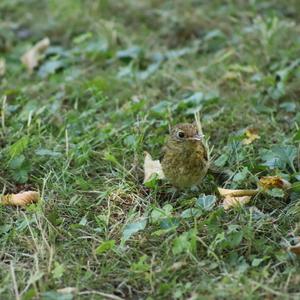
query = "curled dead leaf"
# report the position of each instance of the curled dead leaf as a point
(152, 167)
(20, 199)
(271, 182)
(236, 193)
(236, 197)
(251, 136)
(231, 201)
(33, 56)
(2, 66)
(295, 249)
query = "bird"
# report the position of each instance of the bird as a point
(185, 158)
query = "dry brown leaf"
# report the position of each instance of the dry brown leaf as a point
(152, 167)
(2, 66)
(231, 201)
(236, 193)
(236, 197)
(21, 199)
(270, 182)
(251, 136)
(33, 56)
(295, 249)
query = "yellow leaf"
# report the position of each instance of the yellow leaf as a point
(251, 136)
(152, 167)
(270, 182)
(2, 66)
(33, 56)
(20, 199)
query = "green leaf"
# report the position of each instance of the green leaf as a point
(296, 186)
(141, 265)
(191, 213)
(297, 136)
(221, 160)
(276, 193)
(18, 147)
(82, 37)
(131, 229)
(242, 175)
(130, 140)
(83, 221)
(159, 213)
(186, 242)
(288, 106)
(58, 270)
(50, 67)
(161, 108)
(234, 238)
(17, 162)
(152, 182)
(206, 202)
(256, 262)
(105, 246)
(286, 154)
(21, 175)
(279, 157)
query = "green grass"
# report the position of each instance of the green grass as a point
(116, 75)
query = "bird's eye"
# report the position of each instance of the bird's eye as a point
(180, 134)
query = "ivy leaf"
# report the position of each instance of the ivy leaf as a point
(279, 157)
(286, 154)
(206, 202)
(131, 229)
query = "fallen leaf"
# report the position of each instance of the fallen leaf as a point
(251, 136)
(33, 56)
(295, 249)
(152, 167)
(271, 182)
(20, 199)
(236, 193)
(231, 201)
(236, 197)
(2, 66)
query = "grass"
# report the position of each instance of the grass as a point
(116, 75)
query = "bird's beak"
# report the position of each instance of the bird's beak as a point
(197, 137)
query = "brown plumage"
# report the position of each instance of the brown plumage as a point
(185, 160)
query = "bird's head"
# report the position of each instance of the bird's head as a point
(186, 133)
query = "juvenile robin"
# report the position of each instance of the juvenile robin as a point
(185, 161)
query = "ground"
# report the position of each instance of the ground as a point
(116, 74)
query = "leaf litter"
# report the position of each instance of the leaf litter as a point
(33, 56)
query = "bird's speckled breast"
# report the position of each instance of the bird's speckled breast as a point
(185, 166)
